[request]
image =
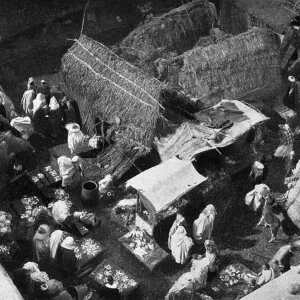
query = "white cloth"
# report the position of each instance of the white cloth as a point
(203, 226)
(180, 245)
(8, 104)
(75, 141)
(257, 169)
(266, 276)
(199, 269)
(185, 284)
(23, 125)
(66, 170)
(104, 184)
(38, 102)
(32, 267)
(55, 239)
(27, 102)
(53, 105)
(179, 219)
(60, 211)
(283, 150)
(257, 195)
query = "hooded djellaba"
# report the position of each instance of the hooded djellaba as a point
(41, 242)
(55, 117)
(28, 97)
(40, 117)
(181, 245)
(203, 226)
(66, 259)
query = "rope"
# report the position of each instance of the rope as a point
(105, 78)
(107, 66)
(83, 18)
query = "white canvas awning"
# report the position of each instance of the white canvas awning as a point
(164, 184)
(191, 138)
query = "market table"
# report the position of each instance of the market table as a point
(229, 282)
(126, 283)
(28, 208)
(144, 248)
(86, 249)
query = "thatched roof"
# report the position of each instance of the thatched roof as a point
(239, 67)
(274, 14)
(178, 30)
(106, 86)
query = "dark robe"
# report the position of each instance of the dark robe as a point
(41, 124)
(66, 261)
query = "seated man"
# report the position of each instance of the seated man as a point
(267, 274)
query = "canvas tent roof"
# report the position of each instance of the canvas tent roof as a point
(190, 139)
(164, 184)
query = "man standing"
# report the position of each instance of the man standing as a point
(45, 89)
(28, 97)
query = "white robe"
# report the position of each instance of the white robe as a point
(27, 102)
(180, 245)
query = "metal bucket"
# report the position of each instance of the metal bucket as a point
(89, 192)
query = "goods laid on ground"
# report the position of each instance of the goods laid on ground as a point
(125, 282)
(144, 248)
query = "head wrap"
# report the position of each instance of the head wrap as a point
(53, 104)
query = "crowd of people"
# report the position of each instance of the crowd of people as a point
(48, 114)
(205, 260)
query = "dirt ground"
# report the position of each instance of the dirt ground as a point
(237, 236)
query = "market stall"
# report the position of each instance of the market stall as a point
(126, 283)
(144, 248)
(86, 249)
(28, 208)
(44, 176)
(160, 191)
(232, 281)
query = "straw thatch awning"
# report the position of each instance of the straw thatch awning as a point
(177, 30)
(239, 15)
(238, 68)
(106, 86)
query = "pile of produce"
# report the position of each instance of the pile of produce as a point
(140, 242)
(5, 222)
(32, 207)
(121, 279)
(231, 276)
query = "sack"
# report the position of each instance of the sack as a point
(94, 141)
(250, 197)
